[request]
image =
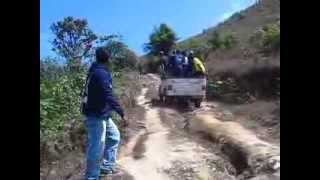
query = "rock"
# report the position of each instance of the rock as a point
(227, 116)
(274, 163)
(53, 172)
(193, 165)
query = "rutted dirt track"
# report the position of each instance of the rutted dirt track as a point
(181, 143)
(167, 149)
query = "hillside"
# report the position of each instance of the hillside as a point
(242, 25)
(245, 70)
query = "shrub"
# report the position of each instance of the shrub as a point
(163, 38)
(59, 104)
(225, 41)
(229, 41)
(271, 37)
(267, 38)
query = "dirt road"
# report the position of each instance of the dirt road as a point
(167, 150)
(164, 146)
(170, 152)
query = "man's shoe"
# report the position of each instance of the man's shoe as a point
(105, 172)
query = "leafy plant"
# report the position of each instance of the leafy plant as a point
(237, 16)
(59, 103)
(163, 38)
(121, 56)
(225, 41)
(73, 39)
(267, 38)
(271, 37)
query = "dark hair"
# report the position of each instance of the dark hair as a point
(102, 55)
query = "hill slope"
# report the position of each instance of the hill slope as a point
(244, 69)
(241, 24)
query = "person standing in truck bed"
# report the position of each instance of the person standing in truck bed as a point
(197, 65)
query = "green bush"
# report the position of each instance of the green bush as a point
(237, 16)
(190, 44)
(271, 37)
(59, 104)
(229, 41)
(163, 38)
(60, 98)
(267, 38)
(225, 41)
(149, 64)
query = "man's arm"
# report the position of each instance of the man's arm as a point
(105, 82)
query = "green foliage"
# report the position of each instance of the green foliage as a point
(50, 69)
(60, 99)
(237, 16)
(73, 39)
(192, 44)
(149, 64)
(271, 36)
(153, 64)
(267, 38)
(163, 38)
(229, 41)
(226, 41)
(215, 42)
(59, 103)
(122, 57)
(61, 86)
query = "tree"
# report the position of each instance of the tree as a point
(163, 38)
(121, 55)
(73, 39)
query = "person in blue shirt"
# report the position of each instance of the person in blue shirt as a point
(178, 64)
(103, 134)
(185, 64)
(171, 64)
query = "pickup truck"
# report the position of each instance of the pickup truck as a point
(186, 89)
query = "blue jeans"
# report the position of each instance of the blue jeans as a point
(102, 144)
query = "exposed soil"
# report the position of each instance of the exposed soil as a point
(159, 145)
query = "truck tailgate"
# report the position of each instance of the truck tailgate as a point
(186, 87)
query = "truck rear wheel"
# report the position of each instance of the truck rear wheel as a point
(161, 97)
(168, 100)
(197, 103)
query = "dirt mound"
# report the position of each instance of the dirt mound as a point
(246, 152)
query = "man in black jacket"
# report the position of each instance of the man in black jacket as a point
(103, 134)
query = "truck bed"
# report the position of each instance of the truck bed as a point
(184, 86)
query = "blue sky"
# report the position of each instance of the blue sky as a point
(136, 19)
